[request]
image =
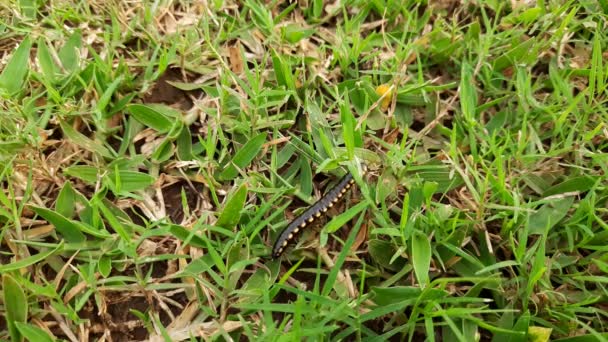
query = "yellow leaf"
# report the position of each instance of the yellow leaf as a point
(539, 334)
(385, 90)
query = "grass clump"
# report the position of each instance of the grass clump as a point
(152, 153)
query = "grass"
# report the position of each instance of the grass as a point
(152, 153)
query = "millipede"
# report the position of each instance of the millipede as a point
(312, 213)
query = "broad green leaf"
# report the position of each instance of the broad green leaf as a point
(105, 266)
(255, 286)
(376, 120)
(150, 117)
(69, 229)
(428, 189)
(386, 185)
(317, 8)
(332, 277)
(243, 157)
(348, 126)
(282, 71)
(596, 75)
(272, 307)
(31, 260)
(284, 155)
(468, 94)
(187, 236)
(389, 295)
(114, 222)
(305, 178)
(33, 333)
(340, 220)
(384, 310)
(28, 8)
(9, 148)
(47, 64)
(177, 126)
(517, 54)
(498, 265)
(84, 142)
(434, 171)
(116, 211)
(549, 215)
(518, 333)
(128, 181)
(105, 98)
(186, 86)
(13, 75)
(530, 15)
(163, 152)
(15, 305)
(497, 122)
(231, 214)
(294, 33)
(184, 144)
(580, 184)
(65, 200)
(120, 104)
(260, 16)
(421, 257)
(69, 55)
(506, 322)
(87, 173)
(382, 252)
(121, 180)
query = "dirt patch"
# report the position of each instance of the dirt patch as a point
(164, 92)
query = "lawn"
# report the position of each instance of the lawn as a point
(152, 153)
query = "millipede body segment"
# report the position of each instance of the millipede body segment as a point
(311, 214)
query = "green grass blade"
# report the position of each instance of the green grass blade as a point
(151, 117)
(243, 157)
(231, 214)
(69, 54)
(421, 257)
(13, 75)
(31, 260)
(33, 333)
(69, 229)
(84, 142)
(15, 303)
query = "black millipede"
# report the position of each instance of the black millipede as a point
(313, 212)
